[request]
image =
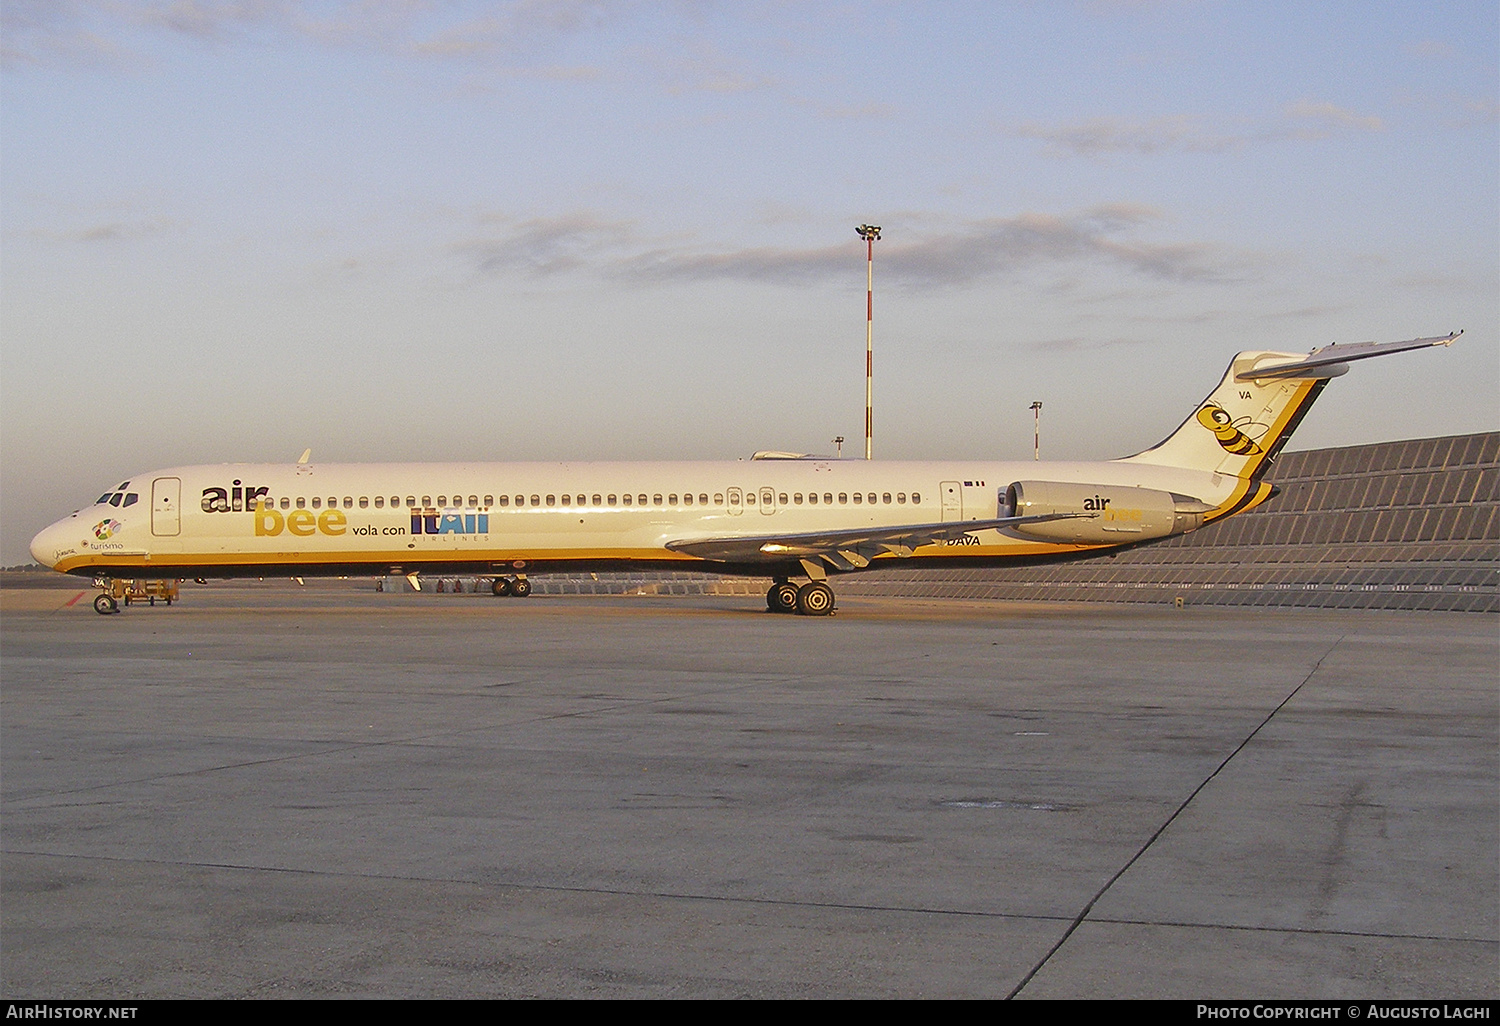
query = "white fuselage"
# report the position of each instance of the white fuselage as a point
(261, 519)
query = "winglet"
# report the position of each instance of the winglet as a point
(306, 455)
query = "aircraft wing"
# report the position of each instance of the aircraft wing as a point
(850, 549)
(1334, 355)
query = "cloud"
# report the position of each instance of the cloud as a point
(213, 19)
(1431, 48)
(512, 25)
(1303, 120)
(919, 257)
(91, 31)
(1111, 135)
(110, 231)
(706, 69)
(979, 250)
(1309, 119)
(545, 245)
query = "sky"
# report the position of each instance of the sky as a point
(231, 230)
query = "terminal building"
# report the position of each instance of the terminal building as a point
(1394, 525)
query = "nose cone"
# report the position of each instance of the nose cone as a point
(55, 541)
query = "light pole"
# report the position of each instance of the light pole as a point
(869, 232)
(1036, 452)
(839, 441)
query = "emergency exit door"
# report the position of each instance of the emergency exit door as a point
(953, 500)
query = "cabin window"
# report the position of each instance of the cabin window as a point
(380, 502)
(915, 499)
(687, 499)
(782, 497)
(567, 500)
(656, 500)
(598, 500)
(489, 500)
(426, 502)
(886, 499)
(613, 500)
(520, 500)
(843, 498)
(551, 500)
(749, 498)
(718, 499)
(442, 500)
(505, 500)
(812, 497)
(858, 498)
(411, 501)
(672, 499)
(640, 500)
(317, 502)
(348, 502)
(901, 498)
(796, 499)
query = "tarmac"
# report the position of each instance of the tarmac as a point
(267, 790)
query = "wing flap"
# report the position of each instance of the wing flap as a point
(851, 549)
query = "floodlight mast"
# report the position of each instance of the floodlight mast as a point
(1036, 452)
(869, 232)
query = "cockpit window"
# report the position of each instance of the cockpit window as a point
(114, 500)
(132, 499)
(102, 499)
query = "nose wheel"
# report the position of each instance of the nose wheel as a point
(105, 604)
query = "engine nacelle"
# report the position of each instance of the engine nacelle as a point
(1123, 514)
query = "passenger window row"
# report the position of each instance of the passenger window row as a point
(628, 500)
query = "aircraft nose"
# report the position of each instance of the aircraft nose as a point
(51, 540)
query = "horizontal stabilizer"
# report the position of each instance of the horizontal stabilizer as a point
(1327, 360)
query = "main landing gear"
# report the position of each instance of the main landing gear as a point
(520, 587)
(815, 598)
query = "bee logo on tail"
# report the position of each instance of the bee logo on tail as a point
(1229, 431)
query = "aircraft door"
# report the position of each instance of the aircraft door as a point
(953, 500)
(166, 502)
(768, 500)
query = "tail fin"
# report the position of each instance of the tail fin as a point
(1242, 425)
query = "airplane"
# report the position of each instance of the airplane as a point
(783, 516)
